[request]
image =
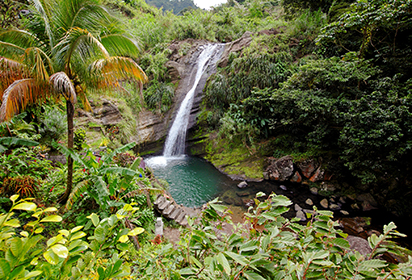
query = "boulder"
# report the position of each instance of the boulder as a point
(319, 175)
(308, 167)
(296, 178)
(367, 197)
(314, 190)
(108, 114)
(359, 244)
(281, 169)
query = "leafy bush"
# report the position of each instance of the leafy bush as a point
(53, 124)
(269, 246)
(67, 255)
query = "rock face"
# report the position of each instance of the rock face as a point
(281, 169)
(152, 127)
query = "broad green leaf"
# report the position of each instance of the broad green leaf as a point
(16, 246)
(39, 230)
(60, 251)
(64, 232)
(218, 207)
(34, 261)
(320, 255)
(25, 233)
(51, 257)
(54, 240)
(73, 230)
(51, 218)
(14, 197)
(221, 259)
(281, 200)
(95, 219)
(323, 263)
(260, 194)
(28, 206)
(122, 246)
(135, 231)
(4, 269)
(12, 223)
(32, 274)
(50, 209)
(187, 271)
(77, 235)
(342, 243)
(124, 238)
(373, 264)
(252, 275)
(237, 258)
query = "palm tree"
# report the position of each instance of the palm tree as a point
(66, 45)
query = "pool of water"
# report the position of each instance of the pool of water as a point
(192, 181)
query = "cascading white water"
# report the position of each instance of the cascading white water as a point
(175, 141)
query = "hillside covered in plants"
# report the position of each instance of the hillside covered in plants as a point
(323, 82)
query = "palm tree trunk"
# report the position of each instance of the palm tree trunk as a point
(70, 141)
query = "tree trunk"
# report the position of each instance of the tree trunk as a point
(70, 141)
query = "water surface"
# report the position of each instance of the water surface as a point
(192, 181)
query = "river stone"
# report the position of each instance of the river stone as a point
(298, 208)
(300, 215)
(342, 200)
(242, 194)
(334, 207)
(344, 212)
(314, 190)
(242, 185)
(309, 202)
(283, 187)
(355, 206)
(248, 202)
(324, 203)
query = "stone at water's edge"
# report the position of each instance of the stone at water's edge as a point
(242, 185)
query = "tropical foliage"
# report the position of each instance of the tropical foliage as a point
(68, 45)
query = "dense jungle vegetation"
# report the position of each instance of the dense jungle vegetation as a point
(328, 79)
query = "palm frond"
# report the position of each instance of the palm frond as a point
(86, 14)
(112, 69)
(10, 70)
(82, 95)
(120, 45)
(62, 84)
(44, 12)
(19, 39)
(36, 59)
(76, 193)
(20, 94)
(80, 43)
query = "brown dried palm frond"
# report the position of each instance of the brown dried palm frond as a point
(62, 84)
(20, 94)
(112, 69)
(10, 70)
(82, 95)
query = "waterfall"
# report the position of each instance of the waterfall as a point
(175, 141)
